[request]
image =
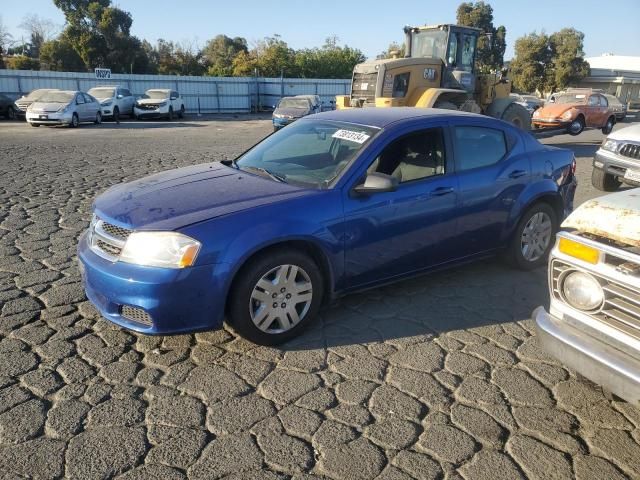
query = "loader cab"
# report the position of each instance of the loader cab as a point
(454, 45)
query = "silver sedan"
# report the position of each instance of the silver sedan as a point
(64, 107)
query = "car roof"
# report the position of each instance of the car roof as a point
(381, 117)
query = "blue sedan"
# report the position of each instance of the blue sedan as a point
(336, 202)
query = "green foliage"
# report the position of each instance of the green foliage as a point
(175, 59)
(22, 62)
(491, 46)
(549, 62)
(59, 55)
(393, 47)
(330, 61)
(219, 53)
(1, 59)
(274, 58)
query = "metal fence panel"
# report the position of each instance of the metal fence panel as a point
(201, 94)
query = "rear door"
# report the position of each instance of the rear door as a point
(493, 169)
(92, 107)
(594, 111)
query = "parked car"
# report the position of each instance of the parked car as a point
(115, 100)
(23, 102)
(64, 107)
(290, 109)
(533, 101)
(159, 103)
(618, 160)
(593, 323)
(7, 107)
(336, 202)
(575, 110)
(519, 99)
(619, 108)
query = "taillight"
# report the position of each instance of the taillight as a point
(573, 165)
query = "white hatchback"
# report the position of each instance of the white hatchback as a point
(159, 103)
(114, 100)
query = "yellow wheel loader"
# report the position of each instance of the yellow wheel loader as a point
(437, 71)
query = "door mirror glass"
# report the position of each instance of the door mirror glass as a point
(120, 96)
(376, 183)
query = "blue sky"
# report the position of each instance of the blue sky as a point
(610, 26)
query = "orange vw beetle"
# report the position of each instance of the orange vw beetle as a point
(576, 109)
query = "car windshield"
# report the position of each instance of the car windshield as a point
(102, 92)
(35, 94)
(294, 103)
(575, 98)
(56, 97)
(429, 44)
(309, 153)
(156, 94)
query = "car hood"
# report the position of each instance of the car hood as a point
(627, 133)
(177, 198)
(554, 110)
(615, 216)
(292, 112)
(48, 107)
(152, 101)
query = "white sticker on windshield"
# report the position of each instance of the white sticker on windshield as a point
(356, 137)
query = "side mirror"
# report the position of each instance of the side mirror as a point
(120, 96)
(173, 98)
(377, 183)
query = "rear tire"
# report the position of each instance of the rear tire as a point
(603, 181)
(271, 277)
(11, 113)
(517, 115)
(534, 237)
(181, 114)
(576, 127)
(608, 127)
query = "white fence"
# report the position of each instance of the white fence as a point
(201, 94)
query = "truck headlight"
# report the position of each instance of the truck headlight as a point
(609, 145)
(160, 249)
(582, 291)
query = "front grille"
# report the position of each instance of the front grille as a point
(136, 315)
(621, 308)
(630, 150)
(116, 231)
(108, 248)
(146, 106)
(364, 86)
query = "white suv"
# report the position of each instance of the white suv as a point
(114, 100)
(159, 103)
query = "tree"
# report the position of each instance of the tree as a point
(178, 59)
(244, 64)
(274, 57)
(389, 52)
(491, 45)
(219, 53)
(329, 61)
(22, 62)
(569, 65)
(1, 59)
(549, 62)
(40, 30)
(6, 39)
(59, 55)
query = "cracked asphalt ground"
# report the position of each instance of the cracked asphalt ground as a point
(436, 377)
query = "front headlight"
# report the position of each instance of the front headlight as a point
(610, 145)
(536, 113)
(582, 291)
(568, 115)
(160, 249)
(278, 115)
(163, 104)
(64, 109)
(108, 103)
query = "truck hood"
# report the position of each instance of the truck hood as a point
(177, 198)
(627, 133)
(615, 216)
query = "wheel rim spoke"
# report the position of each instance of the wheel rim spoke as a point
(536, 236)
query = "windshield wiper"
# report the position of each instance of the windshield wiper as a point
(272, 175)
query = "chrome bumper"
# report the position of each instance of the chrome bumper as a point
(601, 362)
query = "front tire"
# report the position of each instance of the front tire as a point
(11, 113)
(534, 237)
(181, 114)
(517, 115)
(603, 181)
(170, 116)
(576, 127)
(275, 296)
(608, 127)
(34, 124)
(75, 121)
(98, 119)
(116, 115)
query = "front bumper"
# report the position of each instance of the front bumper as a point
(48, 118)
(177, 300)
(282, 122)
(615, 164)
(583, 349)
(549, 123)
(161, 112)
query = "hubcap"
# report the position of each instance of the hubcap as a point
(281, 299)
(575, 126)
(536, 237)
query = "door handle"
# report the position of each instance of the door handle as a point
(517, 173)
(438, 192)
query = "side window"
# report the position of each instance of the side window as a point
(87, 98)
(412, 157)
(593, 101)
(479, 146)
(174, 94)
(468, 49)
(400, 85)
(79, 99)
(453, 49)
(125, 92)
(604, 102)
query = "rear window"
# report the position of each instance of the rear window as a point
(477, 147)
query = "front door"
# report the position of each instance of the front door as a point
(393, 233)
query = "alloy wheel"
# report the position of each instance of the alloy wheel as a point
(536, 236)
(281, 299)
